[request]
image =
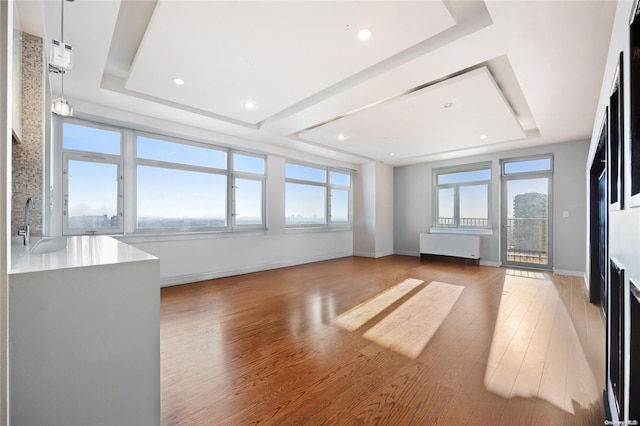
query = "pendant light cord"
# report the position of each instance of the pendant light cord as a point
(62, 45)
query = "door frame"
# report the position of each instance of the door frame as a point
(504, 211)
(598, 167)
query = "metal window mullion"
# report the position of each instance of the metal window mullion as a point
(456, 206)
(329, 204)
(305, 182)
(179, 166)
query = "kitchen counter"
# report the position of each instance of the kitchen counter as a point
(80, 251)
(84, 333)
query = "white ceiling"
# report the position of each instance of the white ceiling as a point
(522, 73)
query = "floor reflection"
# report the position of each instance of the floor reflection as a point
(535, 351)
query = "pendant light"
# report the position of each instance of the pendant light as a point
(61, 106)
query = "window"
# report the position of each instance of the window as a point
(316, 196)
(179, 185)
(117, 181)
(92, 179)
(526, 166)
(462, 197)
(186, 186)
(248, 190)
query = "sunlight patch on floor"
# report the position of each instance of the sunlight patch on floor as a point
(408, 329)
(359, 315)
(535, 351)
(527, 274)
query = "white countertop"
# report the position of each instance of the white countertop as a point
(80, 251)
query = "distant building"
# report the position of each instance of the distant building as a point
(530, 225)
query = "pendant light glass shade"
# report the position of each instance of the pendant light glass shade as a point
(62, 107)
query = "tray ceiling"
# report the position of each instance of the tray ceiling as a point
(516, 72)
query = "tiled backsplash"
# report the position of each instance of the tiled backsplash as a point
(27, 156)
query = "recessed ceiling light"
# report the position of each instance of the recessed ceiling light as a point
(483, 136)
(341, 137)
(392, 154)
(249, 105)
(365, 34)
(178, 81)
(448, 105)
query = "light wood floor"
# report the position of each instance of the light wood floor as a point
(394, 341)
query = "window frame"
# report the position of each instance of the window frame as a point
(91, 157)
(229, 173)
(137, 161)
(329, 223)
(234, 175)
(127, 163)
(505, 161)
(456, 196)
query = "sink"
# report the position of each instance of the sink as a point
(49, 245)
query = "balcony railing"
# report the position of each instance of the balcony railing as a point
(465, 222)
(528, 240)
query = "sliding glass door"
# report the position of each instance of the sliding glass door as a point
(526, 218)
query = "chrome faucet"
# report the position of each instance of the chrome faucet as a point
(25, 230)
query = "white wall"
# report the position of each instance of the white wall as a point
(190, 258)
(414, 204)
(384, 210)
(624, 229)
(373, 205)
(6, 34)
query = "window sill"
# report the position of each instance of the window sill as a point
(188, 236)
(303, 229)
(461, 231)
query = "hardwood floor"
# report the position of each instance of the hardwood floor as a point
(386, 341)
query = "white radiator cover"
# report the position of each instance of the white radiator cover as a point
(467, 246)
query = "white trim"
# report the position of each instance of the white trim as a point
(464, 231)
(407, 253)
(188, 236)
(374, 255)
(568, 272)
(490, 263)
(191, 278)
(364, 254)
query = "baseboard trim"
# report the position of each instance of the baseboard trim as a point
(191, 278)
(490, 263)
(570, 273)
(372, 255)
(407, 253)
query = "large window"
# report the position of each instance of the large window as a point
(462, 196)
(316, 196)
(121, 181)
(180, 186)
(92, 179)
(183, 185)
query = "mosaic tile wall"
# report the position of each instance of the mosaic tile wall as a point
(27, 156)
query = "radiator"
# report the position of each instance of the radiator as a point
(467, 246)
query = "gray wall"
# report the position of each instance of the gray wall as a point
(413, 204)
